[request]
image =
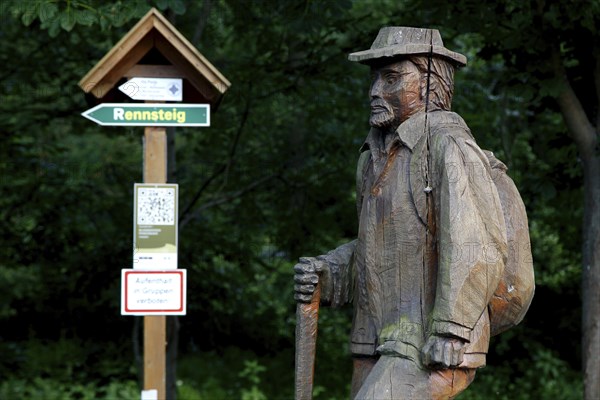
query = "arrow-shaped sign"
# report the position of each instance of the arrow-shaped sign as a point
(158, 89)
(139, 114)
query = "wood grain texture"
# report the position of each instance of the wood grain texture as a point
(307, 315)
(155, 340)
(155, 331)
(155, 155)
(153, 71)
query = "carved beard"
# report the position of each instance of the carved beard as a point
(383, 116)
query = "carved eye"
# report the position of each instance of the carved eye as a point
(390, 79)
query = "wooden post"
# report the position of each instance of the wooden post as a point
(155, 333)
(155, 155)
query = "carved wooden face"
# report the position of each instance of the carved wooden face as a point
(395, 94)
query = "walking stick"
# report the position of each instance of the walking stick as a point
(307, 315)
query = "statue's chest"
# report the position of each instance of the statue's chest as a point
(390, 229)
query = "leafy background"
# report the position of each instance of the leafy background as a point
(269, 181)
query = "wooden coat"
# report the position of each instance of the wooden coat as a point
(431, 246)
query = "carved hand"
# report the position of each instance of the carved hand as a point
(306, 277)
(443, 352)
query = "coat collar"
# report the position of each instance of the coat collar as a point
(410, 132)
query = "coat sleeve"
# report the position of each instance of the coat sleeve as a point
(336, 278)
(471, 237)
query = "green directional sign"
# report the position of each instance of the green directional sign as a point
(136, 114)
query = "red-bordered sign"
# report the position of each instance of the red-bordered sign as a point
(153, 292)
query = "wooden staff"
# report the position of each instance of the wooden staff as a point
(307, 315)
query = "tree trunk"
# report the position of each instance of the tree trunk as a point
(591, 278)
(171, 367)
(585, 136)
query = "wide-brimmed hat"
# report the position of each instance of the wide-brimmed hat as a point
(397, 41)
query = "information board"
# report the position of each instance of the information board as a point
(153, 292)
(155, 215)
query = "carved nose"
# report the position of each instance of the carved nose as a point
(376, 88)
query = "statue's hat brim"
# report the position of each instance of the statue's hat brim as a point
(394, 41)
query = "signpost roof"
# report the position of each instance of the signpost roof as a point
(155, 31)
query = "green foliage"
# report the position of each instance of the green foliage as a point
(271, 180)
(55, 16)
(49, 389)
(545, 376)
(234, 373)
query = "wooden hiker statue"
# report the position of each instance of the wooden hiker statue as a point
(442, 258)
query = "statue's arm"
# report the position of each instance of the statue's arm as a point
(472, 239)
(332, 270)
(337, 277)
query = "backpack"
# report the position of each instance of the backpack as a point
(514, 293)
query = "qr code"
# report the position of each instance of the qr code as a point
(156, 206)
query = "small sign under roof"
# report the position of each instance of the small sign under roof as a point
(157, 89)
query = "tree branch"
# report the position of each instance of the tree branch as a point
(226, 198)
(577, 122)
(224, 168)
(236, 141)
(200, 191)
